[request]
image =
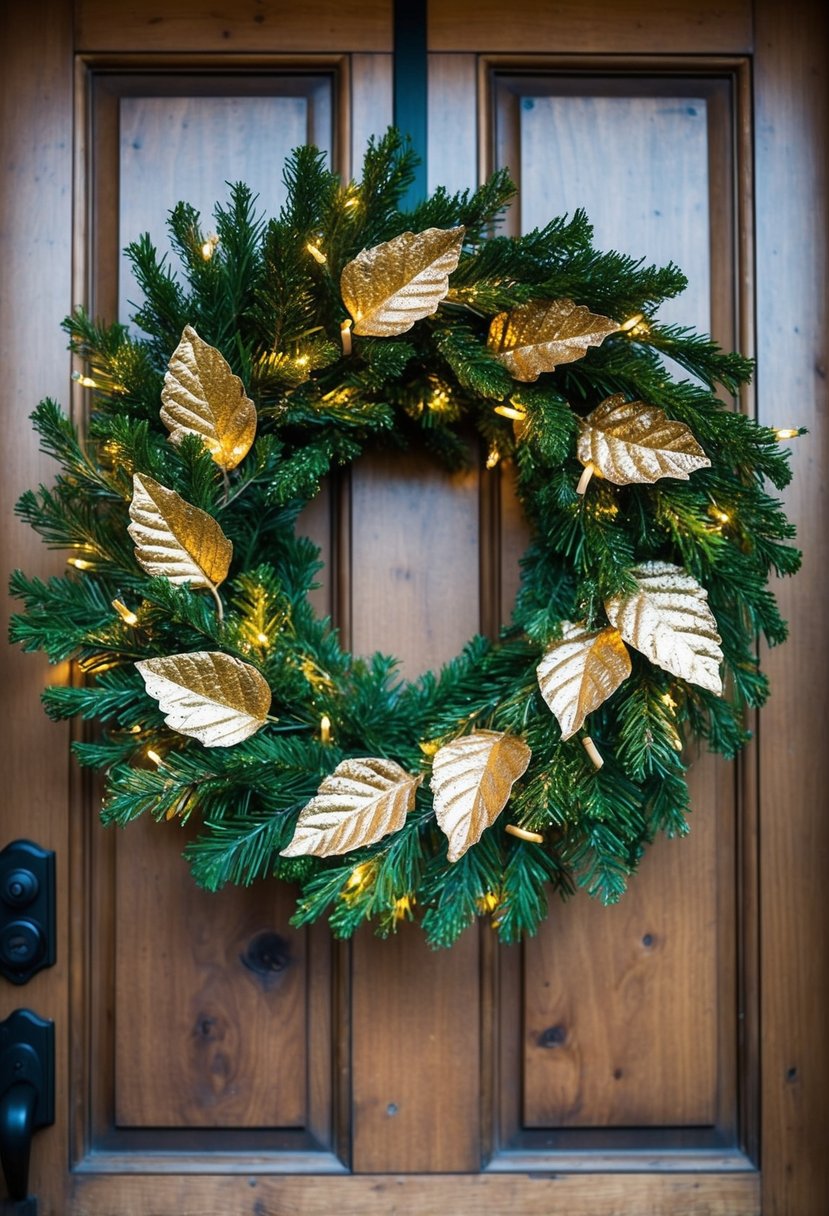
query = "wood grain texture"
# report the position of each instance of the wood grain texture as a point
(452, 160)
(416, 1052)
(207, 987)
(685, 1194)
(791, 142)
(35, 240)
(371, 103)
(189, 147)
(654, 149)
(415, 554)
(620, 1003)
(646, 1036)
(602, 25)
(244, 25)
(414, 593)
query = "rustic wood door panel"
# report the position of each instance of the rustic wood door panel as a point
(192, 994)
(210, 1058)
(645, 1037)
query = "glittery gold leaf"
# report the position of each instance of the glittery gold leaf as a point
(537, 336)
(472, 778)
(175, 539)
(667, 618)
(359, 803)
(580, 672)
(208, 695)
(629, 441)
(389, 287)
(202, 396)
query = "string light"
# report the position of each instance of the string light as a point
(592, 751)
(209, 247)
(125, 613)
(722, 517)
(786, 432)
(80, 563)
(668, 700)
(345, 337)
(511, 411)
(403, 907)
(325, 729)
(636, 326)
(153, 755)
(493, 457)
(487, 903)
(584, 480)
(358, 880)
(262, 638)
(440, 401)
(351, 202)
(88, 382)
(134, 730)
(316, 253)
(523, 834)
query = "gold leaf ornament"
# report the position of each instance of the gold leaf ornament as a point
(362, 801)
(176, 540)
(207, 695)
(579, 673)
(537, 336)
(390, 286)
(667, 618)
(472, 779)
(201, 396)
(630, 441)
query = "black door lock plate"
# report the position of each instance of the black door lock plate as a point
(27, 910)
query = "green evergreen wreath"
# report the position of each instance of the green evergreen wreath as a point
(551, 352)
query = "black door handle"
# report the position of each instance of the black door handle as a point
(27, 1093)
(17, 1114)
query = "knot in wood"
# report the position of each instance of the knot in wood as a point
(267, 955)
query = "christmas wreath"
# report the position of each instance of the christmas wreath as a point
(286, 348)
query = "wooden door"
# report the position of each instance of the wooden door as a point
(667, 1056)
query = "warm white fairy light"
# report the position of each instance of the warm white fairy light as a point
(403, 907)
(209, 247)
(523, 834)
(584, 480)
(316, 253)
(84, 381)
(488, 902)
(126, 614)
(592, 751)
(511, 411)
